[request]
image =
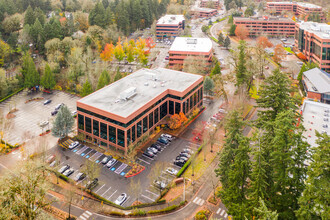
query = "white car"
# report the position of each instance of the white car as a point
(68, 172)
(160, 184)
(44, 123)
(171, 171)
(167, 136)
(121, 199)
(73, 145)
(64, 168)
(111, 162)
(221, 110)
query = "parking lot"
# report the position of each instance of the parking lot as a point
(25, 124)
(112, 181)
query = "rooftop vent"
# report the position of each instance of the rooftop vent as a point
(314, 88)
(151, 76)
(146, 84)
(162, 85)
(191, 41)
(128, 93)
(154, 86)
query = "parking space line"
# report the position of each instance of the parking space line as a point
(106, 191)
(147, 197)
(143, 160)
(163, 178)
(111, 195)
(147, 157)
(88, 152)
(99, 188)
(151, 192)
(125, 201)
(218, 211)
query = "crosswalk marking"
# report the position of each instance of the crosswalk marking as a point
(223, 211)
(218, 210)
(85, 215)
(202, 202)
(226, 215)
(195, 200)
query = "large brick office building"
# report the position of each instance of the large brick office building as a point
(203, 12)
(298, 8)
(122, 112)
(184, 47)
(170, 26)
(313, 40)
(210, 4)
(271, 26)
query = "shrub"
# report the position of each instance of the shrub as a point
(202, 215)
(165, 210)
(115, 213)
(138, 212)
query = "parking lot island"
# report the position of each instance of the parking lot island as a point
(119, 114)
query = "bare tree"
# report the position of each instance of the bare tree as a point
(219, 87)
(71, 191)
(155, 174)
(193, 163)
(91, 169)
(135, 188)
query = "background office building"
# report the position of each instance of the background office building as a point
(210, 4)
(121, 113)
(170, 26)
(317, 85)
(271, 26)
(298, 8)
(313, 40)
(185, 47)
(203, 12)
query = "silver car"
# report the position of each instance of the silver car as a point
(121, 199)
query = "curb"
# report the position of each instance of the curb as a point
(135, 173)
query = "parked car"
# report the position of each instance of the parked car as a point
(64, 168)
(179, 163)
(43, 123)
(74, 113)
(68, 172)
(187, 150)
(106, 160)
(59, 106)
(160, 184)
(167, 137)
(47, 101)
(157, 146)
(74, 144)
(148, 154)
(52, 164)
(153, 150)
(111, 162)
(182, 158)
(266, 67)
(221, 110)
(167, 58)
(171, 171)
(79, 176)
(182, 154)
(121, 199)
(54, 112)
(162, 140)
(91, 184)
(50, 159)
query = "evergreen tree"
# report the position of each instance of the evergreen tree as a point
(208, 85)
(105, 3)
(263, 213)
(48, 79)
(29, 17)
(53, 29)
(221, 39)
(97, 16)
(86, 89)
(63, 123)
(241, 70)
(305, 67)
(314, 203)
(39, 14)
(231, 19)
(104, 79)
(30, 73)
(216, 69)
(117, 76)
(226, 43)
(232, 30)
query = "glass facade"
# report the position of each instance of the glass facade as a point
(81, 122)
(145, 124)
(120, 137)
(112, 134)
(88, 124)
(104, 131)
(95, 128)
(139, 129)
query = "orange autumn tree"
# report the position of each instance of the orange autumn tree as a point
(301, 56)
(241, 32)
(174, 122)
(263, 42)
(183, 118)
(279, 53)
(150, 44)
(108, 52)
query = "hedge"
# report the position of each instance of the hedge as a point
(167, 209)
(14, 93)
(185, 166)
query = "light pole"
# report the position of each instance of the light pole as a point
(184, 189)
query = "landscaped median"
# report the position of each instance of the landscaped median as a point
(186, 165)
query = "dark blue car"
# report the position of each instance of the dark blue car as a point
(162, 140)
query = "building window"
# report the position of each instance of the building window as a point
(104, 131)
(81, 123)
(112, 134)
(145, 124)
(128, 137)
(151, 120)
(121, 137)
(177, 108)
(139, 129)
(163, 110)
(156, 115)
(171, 107)
(88, 124)
(133, 134)
(95, 128)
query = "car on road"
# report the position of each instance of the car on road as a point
(148, 154)
(64, 168)
(167, 58)
(91, 184)
(54, 112)
(153, 150)
(221, 110)
(266, 67)
(79, 176)
(52, 164)
(106, 160)
(59, 106)
(47, 101)
(171, 171)
(74, 144)
(68, 172)
(160, 184)
(121, 199)
(111, 162)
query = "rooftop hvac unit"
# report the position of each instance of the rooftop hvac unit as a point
(128, 93)
(151, 76)
(313, 87)
(191, 41)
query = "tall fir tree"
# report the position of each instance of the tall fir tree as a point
(221, 39)
(216, 69)
(241, 70)
(97, 16)
(31, 75)
(86, 89)
(48, 79)
(63, 123)
(104, 79)
(226, 43)
(314, 202)
(29, 17)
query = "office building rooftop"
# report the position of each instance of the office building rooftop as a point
(322, 30)
(189, 44)
(317, 80)
(171, 19)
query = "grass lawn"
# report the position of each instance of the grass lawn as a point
(288, 49)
